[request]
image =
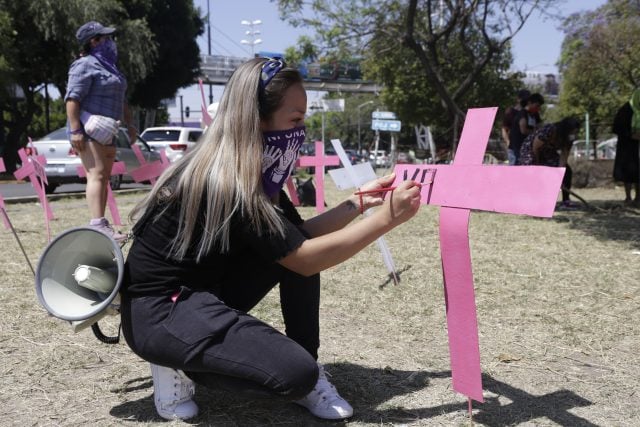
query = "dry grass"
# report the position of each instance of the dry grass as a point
(557, 305)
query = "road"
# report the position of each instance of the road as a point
(24, 189)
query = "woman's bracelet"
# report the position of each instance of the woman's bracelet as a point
(76, 131)
(361, 202)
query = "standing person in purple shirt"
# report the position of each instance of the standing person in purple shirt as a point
(95, 102)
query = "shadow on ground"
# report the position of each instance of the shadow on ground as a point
(367, 390)
(606, 220)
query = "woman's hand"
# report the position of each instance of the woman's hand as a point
(77, 142)
(373, 199)
(403, 203)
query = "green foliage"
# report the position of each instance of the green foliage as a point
(57, 117)
(344, 125)
(600, 62)
(435, 59)
(175, 24)
(156, 48)
(305, 50)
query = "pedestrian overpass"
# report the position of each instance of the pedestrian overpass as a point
(216, 70)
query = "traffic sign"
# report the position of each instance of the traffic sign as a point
(386, 125)
(384, 115)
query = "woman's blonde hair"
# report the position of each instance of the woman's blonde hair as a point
(221, 177)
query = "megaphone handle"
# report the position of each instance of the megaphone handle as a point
(102, 337)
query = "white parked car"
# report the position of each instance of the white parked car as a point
(175, 140)
(379, 159)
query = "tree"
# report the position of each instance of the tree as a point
(599, 61)
(156, 49)
(176, 25)
(449, 48)
(44, 45)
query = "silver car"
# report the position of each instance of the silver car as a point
(63, 161)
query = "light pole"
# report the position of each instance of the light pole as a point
(252, 33)
(209, 48)
(358, 108)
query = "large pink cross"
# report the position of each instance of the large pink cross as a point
(319, 161)
(118, 168)
(148, 171)
(457, 188)
(33, 168)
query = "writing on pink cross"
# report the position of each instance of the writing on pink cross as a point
(457, 188)
(33, 168)
(319, 161)
(147, 171)
(118, 168)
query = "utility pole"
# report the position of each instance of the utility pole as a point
(209, 48)
(181, 112)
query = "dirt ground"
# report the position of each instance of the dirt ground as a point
(558, 312)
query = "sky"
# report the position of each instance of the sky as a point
(535, 48)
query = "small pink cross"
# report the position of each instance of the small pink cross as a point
(293, 192)
(457, 188)
(148, 171)
(206, 118)
(33, 168)
(118, 168)
(319, 161)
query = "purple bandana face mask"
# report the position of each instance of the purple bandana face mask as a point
(281, 150)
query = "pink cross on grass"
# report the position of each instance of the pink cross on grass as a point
(458, 188)
(148, 171)
(33, 169)
(319, 161)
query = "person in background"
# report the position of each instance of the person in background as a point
(524, 123)
(507, 121)
(96, 93)
(217, 233)
(550, 145)
(626, 166)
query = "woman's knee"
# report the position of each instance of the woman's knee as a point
(303, 378)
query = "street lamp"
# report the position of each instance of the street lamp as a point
(252, 33)
(358, 108)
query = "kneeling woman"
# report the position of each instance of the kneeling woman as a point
(217, 233)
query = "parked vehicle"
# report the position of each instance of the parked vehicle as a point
(175, 140)
(63, 160)
(379, 159)
(403, 158)
(354, 157)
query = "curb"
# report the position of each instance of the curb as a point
(76, 195)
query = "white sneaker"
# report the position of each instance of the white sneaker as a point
(172, 393)
(324, 401)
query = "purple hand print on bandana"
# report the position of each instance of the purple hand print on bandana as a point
(281, 150)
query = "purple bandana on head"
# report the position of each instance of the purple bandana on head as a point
(281, 150)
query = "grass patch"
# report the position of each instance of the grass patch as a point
(557, 309)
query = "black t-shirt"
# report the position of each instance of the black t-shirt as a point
(150, 271)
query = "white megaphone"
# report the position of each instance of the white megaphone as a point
(79, 275)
